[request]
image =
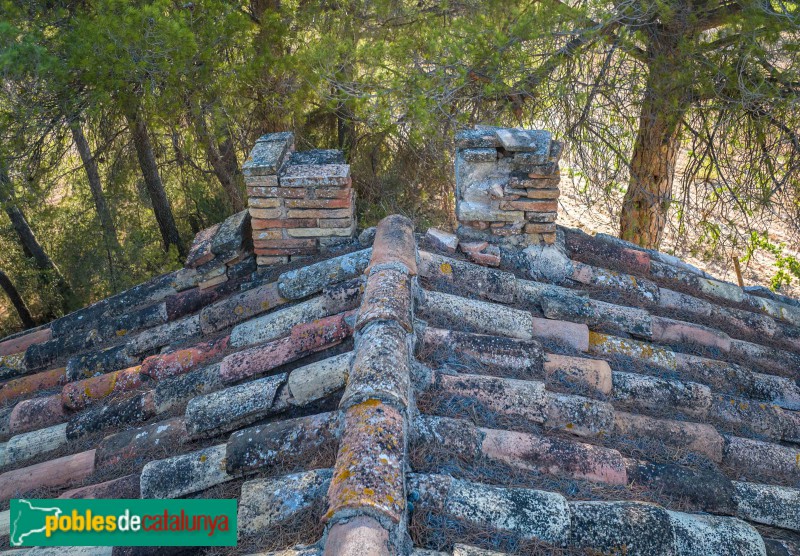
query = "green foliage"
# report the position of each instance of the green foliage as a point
(787, 266)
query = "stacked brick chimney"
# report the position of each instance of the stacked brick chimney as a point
(507, 186)
(299, 202)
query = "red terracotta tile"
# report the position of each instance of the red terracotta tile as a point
(54, 473)
(669, 331)
(77, 395)
(394, 243)
(369, 466)
(21, 343)
(361, 536)
(31, 384)
(182, 361)
(36, 413)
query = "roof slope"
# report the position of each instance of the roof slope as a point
(398, 400)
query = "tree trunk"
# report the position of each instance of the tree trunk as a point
(646, 203)
(95, 185)
(16, 300)
(152, 180)
(229, 177)
(30, 245)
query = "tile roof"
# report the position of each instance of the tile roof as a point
(394, 398)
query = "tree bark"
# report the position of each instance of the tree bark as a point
(219, 156)
(16, 300)
(647, 200)
(30, 244)
(153, 183)
(95, 185)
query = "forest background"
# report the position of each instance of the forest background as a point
(124, 124)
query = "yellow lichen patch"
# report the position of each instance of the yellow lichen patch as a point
(446, 268)
(121, 332)
(239, 310)
(203, 458)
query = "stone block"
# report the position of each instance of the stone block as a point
(469, 211)
(476, 139)
(524, 140)
(316, 175)
(443, 241)
(268, 154)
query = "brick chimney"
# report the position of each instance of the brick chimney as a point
(507, 185)
(299, 202)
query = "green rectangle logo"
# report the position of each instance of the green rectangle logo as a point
(124, 522)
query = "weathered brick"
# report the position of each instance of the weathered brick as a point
(54, 473)
(320, 203)
(266, 224)
(261, 235)
(330, 193)
(200, 251)
(262, 203)
(533, 205)
(279, 243)
(79, 394)
(272, 252)
(321, 232)
(320, 213)
(265, 213)
(369, 467)
(291, 444)
(335, 223)
(182, 361)
(316, 175)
